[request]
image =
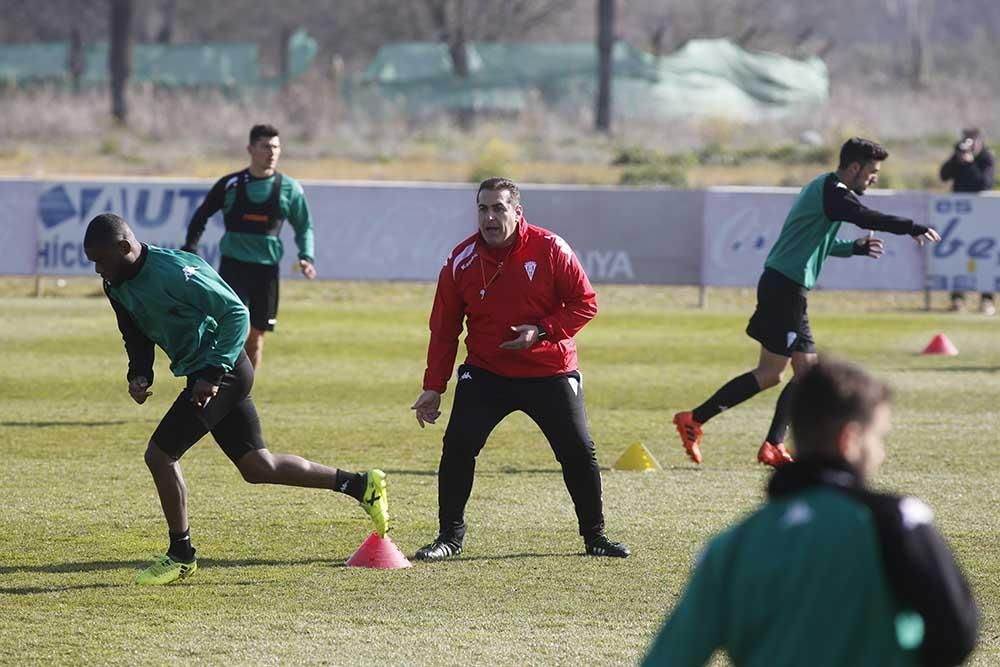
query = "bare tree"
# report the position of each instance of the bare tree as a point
(75, 62)
(605, 47)
(457, 22)
(120, 57)
(916, 15)
(165, 35)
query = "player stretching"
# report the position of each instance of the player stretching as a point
(780, 324)
(177, 301)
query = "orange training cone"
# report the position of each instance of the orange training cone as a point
(941, 345)
(379, 553)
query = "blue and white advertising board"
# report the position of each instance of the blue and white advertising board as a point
(968, 256)
(742, 223)
(158, 211)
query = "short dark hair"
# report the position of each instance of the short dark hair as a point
(262, 132)
(972, 133)
(498, 183)
(105, 229)
(861, 151)
(829, 396)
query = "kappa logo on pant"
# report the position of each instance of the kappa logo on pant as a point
(465, 376)
(790, 338)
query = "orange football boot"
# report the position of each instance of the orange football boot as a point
(774, 455)
(690, 432)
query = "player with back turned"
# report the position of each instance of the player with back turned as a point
(780, 323)
(827, 572)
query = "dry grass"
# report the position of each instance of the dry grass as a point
(47, 132)
(340, 377)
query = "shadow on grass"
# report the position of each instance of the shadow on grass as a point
(35, 590)
(486, 473)
(104, 565)
(41, 590)
(70, 423)
(948, 369)
(460, 559)
(968, 369)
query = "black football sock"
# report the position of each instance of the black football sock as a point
(782, 415)
(350, 483)
(729, 395)
(180, 547)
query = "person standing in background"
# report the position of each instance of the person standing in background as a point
(971, 170)
(522, 296)
(255, 202)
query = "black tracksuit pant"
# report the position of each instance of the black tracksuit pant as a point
(482, 400)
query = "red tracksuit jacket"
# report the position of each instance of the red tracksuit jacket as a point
(540, 282)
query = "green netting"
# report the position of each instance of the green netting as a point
(214, 64)
(705, 77)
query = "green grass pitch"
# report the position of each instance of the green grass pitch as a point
(79, 514)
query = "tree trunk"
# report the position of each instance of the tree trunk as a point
(166, 32)
(120, 57)
(605, 45)
(465, 116)
(286, 59)
(75, 63)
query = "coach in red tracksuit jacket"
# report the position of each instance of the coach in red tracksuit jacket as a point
(523, 296)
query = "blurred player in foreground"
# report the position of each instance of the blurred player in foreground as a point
(827, 573)
(176, 300)
(522, 295)
(781, 324)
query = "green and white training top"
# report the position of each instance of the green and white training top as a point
(253, 211)
(809, 234)
(176, 300)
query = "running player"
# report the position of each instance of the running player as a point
(177, 301)
(780, 324)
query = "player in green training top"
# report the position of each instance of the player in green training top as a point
(255, 202)
(177, 301)
(827, 573)
(780, 323)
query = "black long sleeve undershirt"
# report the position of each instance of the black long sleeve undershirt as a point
(140, 350)
(840, 203)
(214, 201)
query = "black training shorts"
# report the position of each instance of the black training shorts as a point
(230, 416)
(257, 287)
(781, 323)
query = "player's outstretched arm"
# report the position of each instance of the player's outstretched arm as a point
(840, 203)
